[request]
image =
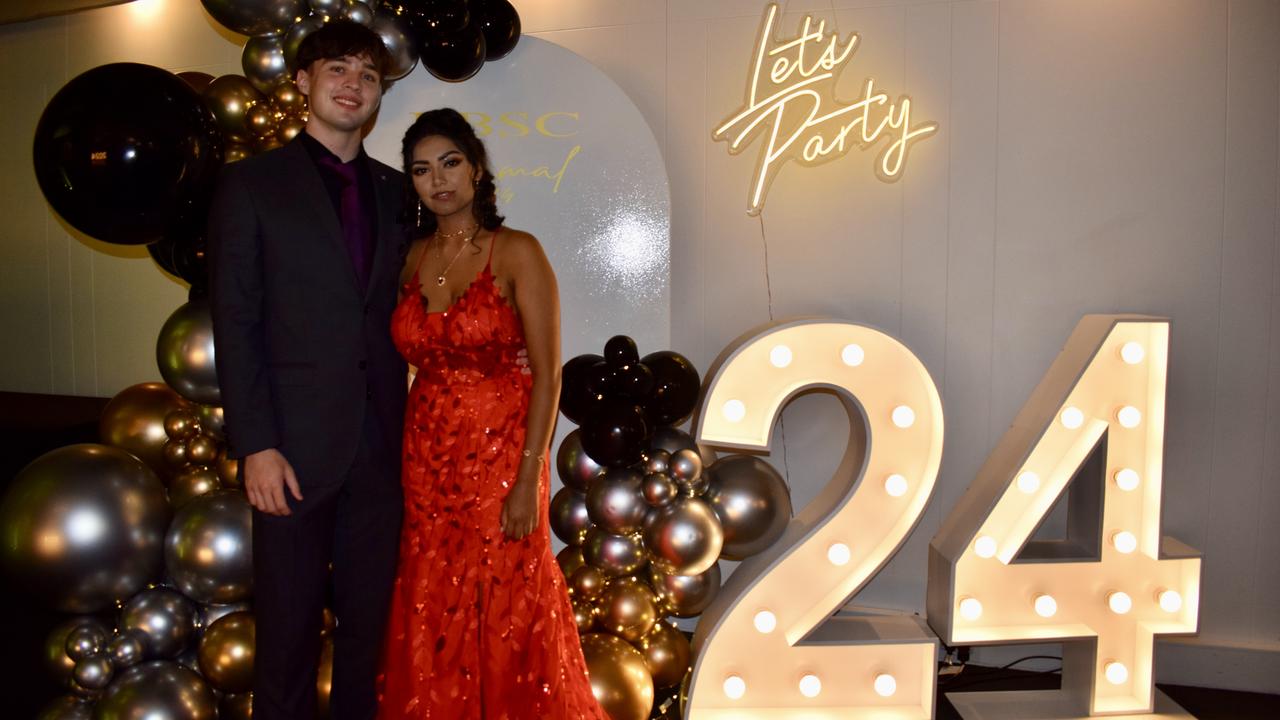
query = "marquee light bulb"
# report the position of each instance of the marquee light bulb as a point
(1132, 352)
(895, 485)
(780, 356)
(1116, 673)
(904, 417)
(885, 684)
(1119, 602)
(810, 685)
(1169, 600)
(1127, 479)
(970, 608)
(766, 621)
(985, 546)
(734, 687)
(1028, 482)
(1072, 418)
(734, 411)
(1046, 606)
(1124, 541)
(1129, 416)
(838, 554)
(853, 355)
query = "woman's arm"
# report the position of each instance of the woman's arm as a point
(537, 300)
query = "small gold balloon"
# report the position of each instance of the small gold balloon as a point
(193, 482)
(627, 610)
(228, 469)
(134, 421)
(619, 678)
(570, 559)
(226, 653)
(231, 97)
(212, 420)
(584, 615)
(175, 455)
(288, 97)
(181, 424)
(586, 582)
(238, 706)
(237, 151)
(289, 129)
(262, 120)
(324, 679)
(666, 654)
(202, 449)
(267, 144)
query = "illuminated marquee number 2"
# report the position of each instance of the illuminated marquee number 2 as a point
(989, 582)
(764, 650)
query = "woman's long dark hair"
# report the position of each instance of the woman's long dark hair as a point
(449, 123)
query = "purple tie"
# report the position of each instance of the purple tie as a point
(355, 224)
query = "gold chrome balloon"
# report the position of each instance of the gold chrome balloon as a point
(175, 455)
(666, 653)
(288, 98)
(626, 609)
(584, 615)
(569, 560)
(620, 679)
(226, 653)
(324, 679)
(134, 421)
(237, 151)
(289, 129)
(212, 421)
(228, 469)
(202, 450)
(238, 706)
(181, 424)
(586, 582)
(191, 483)
(263, 121)
(230, 97)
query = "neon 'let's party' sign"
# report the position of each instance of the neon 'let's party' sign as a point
(791, 100)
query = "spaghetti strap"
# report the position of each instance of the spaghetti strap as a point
(488, 264)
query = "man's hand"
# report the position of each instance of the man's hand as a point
(266, 473)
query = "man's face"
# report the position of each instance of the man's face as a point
(343, 93)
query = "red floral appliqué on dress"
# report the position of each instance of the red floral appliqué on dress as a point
(480, 626)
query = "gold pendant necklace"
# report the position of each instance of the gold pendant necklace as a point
(456, 233)
(440, 277)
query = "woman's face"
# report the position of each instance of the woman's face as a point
(443, 177)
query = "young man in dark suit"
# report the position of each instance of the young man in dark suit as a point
(305, 246)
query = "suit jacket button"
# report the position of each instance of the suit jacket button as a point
(368, 394)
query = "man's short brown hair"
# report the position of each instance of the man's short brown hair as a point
(342, 38)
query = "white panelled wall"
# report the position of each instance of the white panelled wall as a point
(1093, 156)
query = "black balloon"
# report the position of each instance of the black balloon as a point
(577, 402)
(633, 381)
(454, 55)
(614, 435)
(184, 256)
(126, 153)
(500, 23)
(427, 16)
(675, 388)
(620, 350)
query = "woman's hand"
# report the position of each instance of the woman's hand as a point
(520, 509)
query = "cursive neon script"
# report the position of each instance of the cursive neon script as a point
(792, 102)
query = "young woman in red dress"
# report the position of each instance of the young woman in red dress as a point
(480, 624)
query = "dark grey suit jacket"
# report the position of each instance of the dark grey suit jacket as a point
(301, 350)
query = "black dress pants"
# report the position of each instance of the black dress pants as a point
(353, 524)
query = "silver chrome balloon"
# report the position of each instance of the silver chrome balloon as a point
(93, 672)
(166, 619)
(615, 502)
(577, 470)
(614, 555)
(659, 461)
(255, 17)
(671, 440)
(263, 62)
(158, 690)
(686, 466)
(398, 38)
(685, 595)
(569, 518)
(184, 352)
(326, 7)
(128, 648)
(358, 12)
(85, 640)
(658, 489)
(293, 38)
(752, 502)
(208, 550)
(683, 538)
(83, 527)
(55, 657)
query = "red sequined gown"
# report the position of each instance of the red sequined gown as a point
(480, 626)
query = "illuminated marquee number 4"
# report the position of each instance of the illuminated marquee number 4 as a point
(761, 650)
(764, 650)
(990, 583)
